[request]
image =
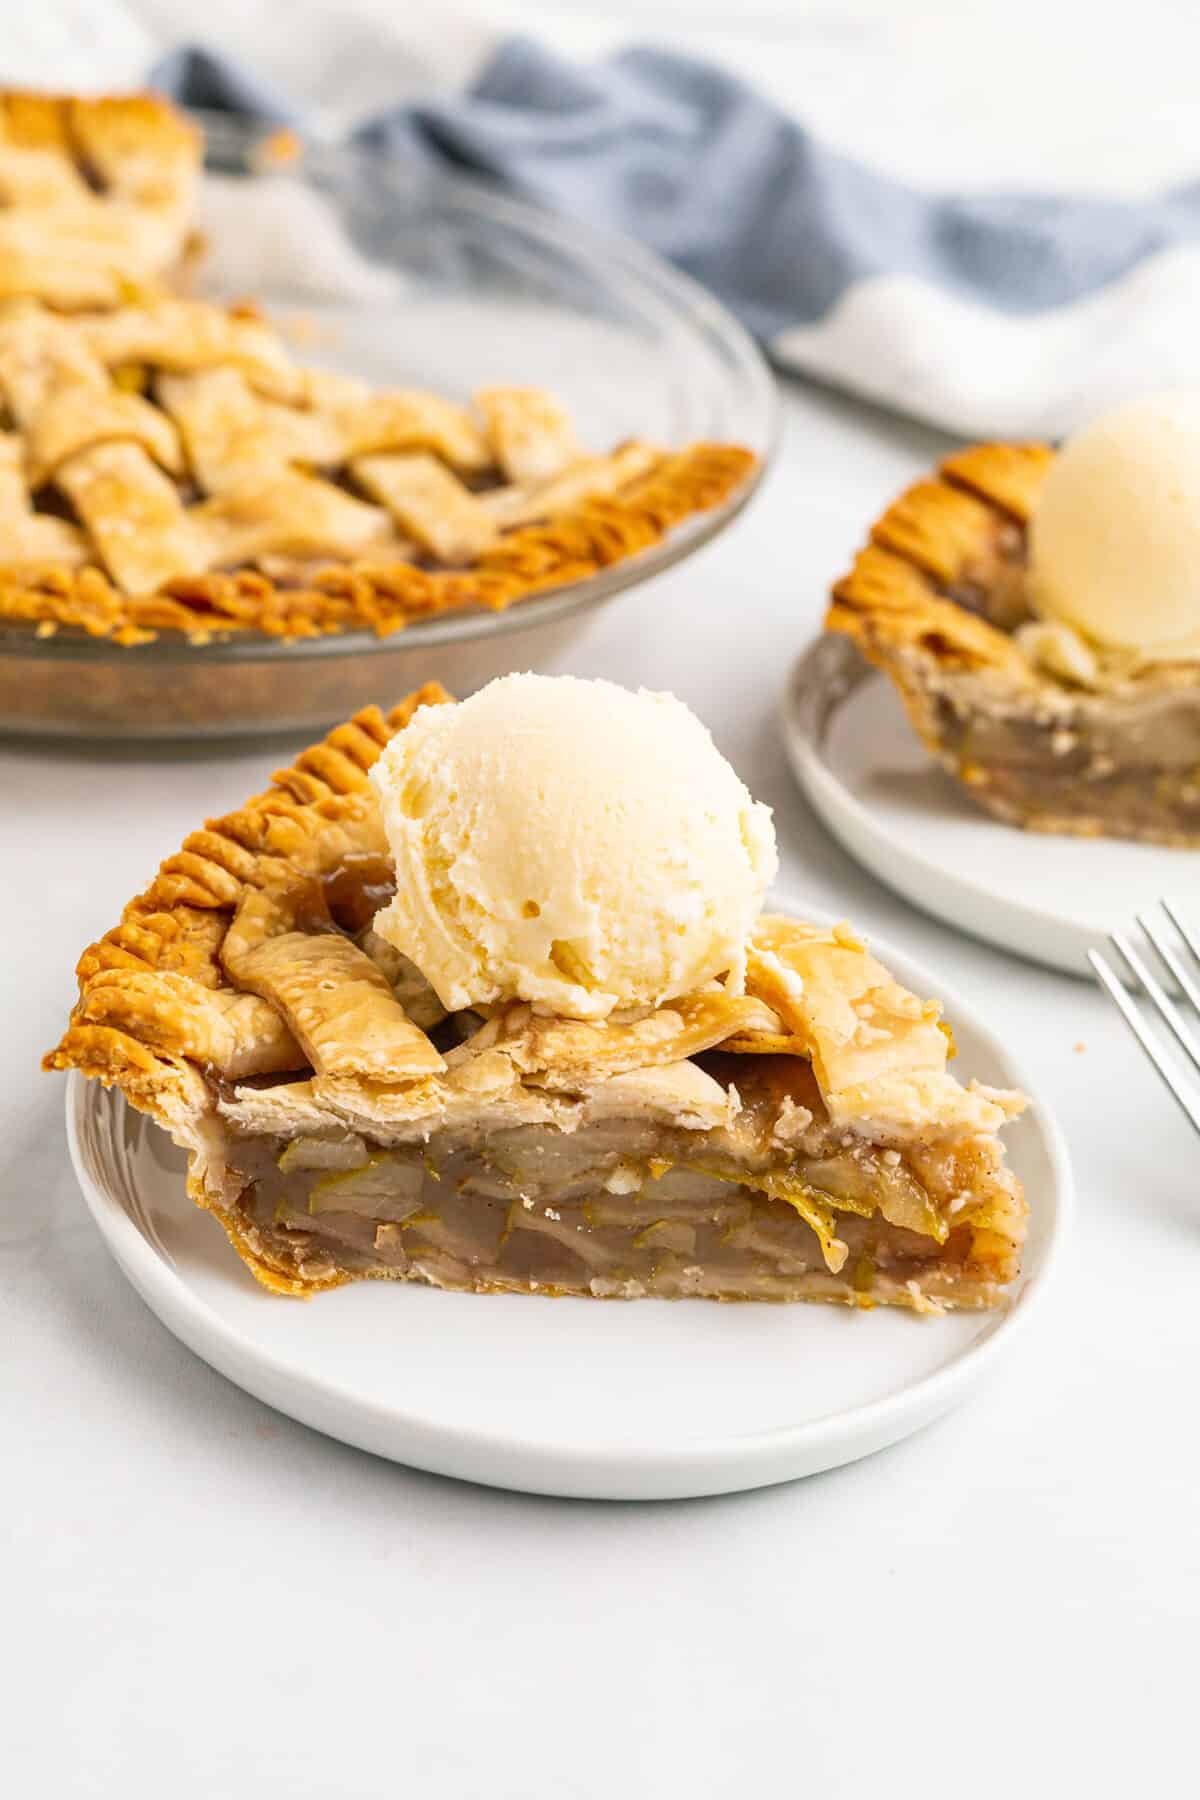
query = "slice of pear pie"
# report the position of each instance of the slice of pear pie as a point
(790, 1132)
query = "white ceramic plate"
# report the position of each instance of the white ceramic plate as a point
(644, 1400)
(1051, 899)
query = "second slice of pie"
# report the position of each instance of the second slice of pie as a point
(1038, 611)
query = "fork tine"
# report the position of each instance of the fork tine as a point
(1158, 996)
(1167, 1067)
(1183, 977)
(1171, 908)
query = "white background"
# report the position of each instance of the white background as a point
(199, 1598)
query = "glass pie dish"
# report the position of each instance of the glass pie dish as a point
(382, 270)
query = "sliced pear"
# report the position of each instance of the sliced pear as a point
(388, 1186)
(667, 1234)
(345, 1152)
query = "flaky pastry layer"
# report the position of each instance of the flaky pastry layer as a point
(98, 196)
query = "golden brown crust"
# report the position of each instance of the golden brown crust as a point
(950, 532)
(938, 528)
(124, 137)
(945, 533)
(384, 597)
(131, 1028)
(888, 604)
(97, 195)
(893, 605)
(269, 1271)
(1010, 476)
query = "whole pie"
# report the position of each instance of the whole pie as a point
(167, 465)
(1043, 729)
(801, 1139)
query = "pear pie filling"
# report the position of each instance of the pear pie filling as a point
(602, 1212)
(799, 1138)
(630, 1203)
(720, 1175)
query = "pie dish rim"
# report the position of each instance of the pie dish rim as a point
(455, 625)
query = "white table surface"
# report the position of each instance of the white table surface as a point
(200, 1598)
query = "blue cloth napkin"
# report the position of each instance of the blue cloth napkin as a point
(991, 315)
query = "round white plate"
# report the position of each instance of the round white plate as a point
(644, 1400)
(1051, 899)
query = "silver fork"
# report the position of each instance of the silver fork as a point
(1180, 957)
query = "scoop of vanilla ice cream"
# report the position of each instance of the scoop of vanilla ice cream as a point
(570, 843)
(1114, 540)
